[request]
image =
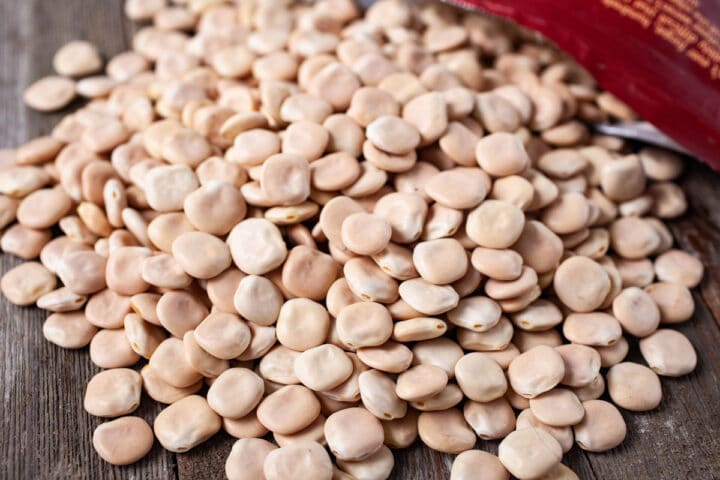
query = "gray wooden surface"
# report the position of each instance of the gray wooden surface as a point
(45, 433)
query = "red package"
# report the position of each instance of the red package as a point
(661, 57)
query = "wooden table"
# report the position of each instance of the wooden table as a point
(45, 433)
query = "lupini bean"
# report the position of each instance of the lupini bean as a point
(185, 424)
(529, 453)
(123, 441)
(601, 429)
(473, 463)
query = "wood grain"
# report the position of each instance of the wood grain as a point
(46, 433)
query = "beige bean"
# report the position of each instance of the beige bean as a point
(421, 382)
(495, 224)
(369, 282)
(49, 94)
(278, 366)
(675, 301)
(123, 441)
(216, 207)
(335, 171)
(185, 424)
(68, 330)
(223, 335)
(170, 363)
(505, 265)
(636, 311)
(111, 349)
(569, 213)
(201, 254)
(501, 155)
(633, 237)
(378, 395)
(668, 353)
(163, 392)
(500, 290)
(558, 408)
(536, 371)
(247, 458)
(377, 465)
(26, 283)
(529, 453)
(323, 367)
(308, 272)
(427, 298)
(446, 431)
(602, 428)
(288, 410)
(396, 261)
(563, 435)
(440, 352)
(440, 261)
(365, 234)
(164, 271)
(441, 222)
(256, 246)
(581, 283)
(235, 393)
(258, 300)
(24, 242)
(676, 266)
(143, 336)
(391, 357)
(582, 364)
(490, 420)
(471, 463)
(262, 339)
(495, 339)
(43, 208)
(485, 387)
(634, 387)
(245, 427)
(594, 329)
(302, 324)
(61, 300)
(123, 272)
(305, 459)
(113, 393)
(253, 147)
(364, 324)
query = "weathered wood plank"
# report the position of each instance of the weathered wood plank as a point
(46, 434)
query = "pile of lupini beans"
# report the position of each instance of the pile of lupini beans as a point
(330, 232)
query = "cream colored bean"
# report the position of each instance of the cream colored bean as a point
(582, 364)
(475, 313)
(26, 283)
(304, 459)
(165, 272)
(441, 222)
(636, 311)
(500, 290)
(396, 261)
(558, 408)
(68, 330)
(378, 395)
(594, 329)
(201, 254)
(245, 427)
(235, 393)
(427, 298)
(278, 366)
(111, 349)
(634, 387)
(505, 265)
(501, 155)
(391, 357)
(302, 324)
(308, 272)
(473, 463)
(216, 207)
(247, 458)
(49, 94)
(495, 224)
(323, 367)
(123, 441)
(421, 382)
(563, 435)
(490, 420)
(668, 353)
(186, 424)
(495, 339)
(113, 393)
(485, 387)
(529, 453)
(377, 465)
(365, 234)
(223, 335)
(675, 301)
(633, 238)
(61, 300)
(676, 266)
(369, 282)
(24, 242)
(258, 300)
(446, 431)
(581, 283)
(364, 324)
(288, 410)
(602, 428)
(123, 272)
(143, 337)
(256, 246)
(536, 371)
(169, 362)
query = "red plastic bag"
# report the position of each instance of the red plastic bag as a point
(661, 57)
